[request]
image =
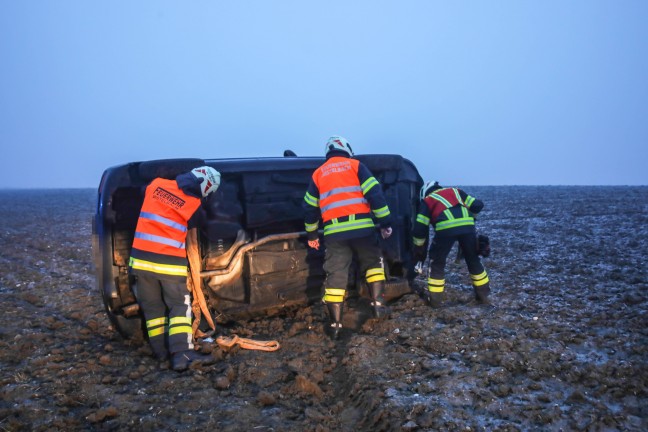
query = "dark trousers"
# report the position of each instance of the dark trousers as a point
(441, 247)
(338, 258)
(166, 305)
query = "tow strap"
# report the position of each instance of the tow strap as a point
(194, 285)
(250, 344)
(199, 305)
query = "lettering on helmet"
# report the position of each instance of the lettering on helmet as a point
(168, 198)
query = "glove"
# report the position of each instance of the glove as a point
(420, 253)
(315, 244)
(483, 245)
(385, 232)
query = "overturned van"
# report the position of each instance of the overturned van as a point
(253, 252)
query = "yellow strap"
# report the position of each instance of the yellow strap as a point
(250, 344)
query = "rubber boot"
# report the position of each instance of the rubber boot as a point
(335, 320)
(377, 291)
(183, 359)
(481, 293)
(433, 299)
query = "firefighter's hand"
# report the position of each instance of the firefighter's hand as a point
(385, 232)
(314, 244)
(419, 253)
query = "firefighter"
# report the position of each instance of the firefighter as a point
(451, 213)
(347, 197)
(159, 262)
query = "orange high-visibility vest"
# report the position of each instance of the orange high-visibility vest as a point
(162, 228)
(339, 188)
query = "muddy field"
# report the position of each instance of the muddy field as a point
(564, 345)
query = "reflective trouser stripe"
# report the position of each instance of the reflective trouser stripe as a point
(480, 279)
(156, 326)
(334, 295)
(436, 285)
(375, 275)
(179, 325)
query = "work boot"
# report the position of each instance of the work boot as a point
(335, 320)
(377, 291)
(433, 299)
(182, 360)
(481, 294)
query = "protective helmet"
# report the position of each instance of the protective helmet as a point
(428, 188)
(338, 143)
(209, 179)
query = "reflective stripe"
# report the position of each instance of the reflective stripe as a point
(454, 223)
(180, 329)
(480, 279)
(156, 326)
(340, 190)
(337, 227)
(163, 220)
(156, 322)
(368, 184)
(418, 241)
(174, 270)
(375, 275)
(343, 203)
(469, 200)
(382, 212)
(423, 219)
(180, 320)
(156, 332)
(311, 227)
(442, 200)
(334, 295)
(160, 239)
(458, 195)
(436, 285)
(311, 200)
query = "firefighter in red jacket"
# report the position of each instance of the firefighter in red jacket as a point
(450, 211)
(347, 197)
(159, 262)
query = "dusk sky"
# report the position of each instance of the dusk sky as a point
(508, 92)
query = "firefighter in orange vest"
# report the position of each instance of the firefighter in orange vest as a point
(451, 212)
(347, 197)
(159, 262)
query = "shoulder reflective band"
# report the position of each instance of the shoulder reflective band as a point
(469, 200)
(163, 220)
(458, 195)
(442, 200)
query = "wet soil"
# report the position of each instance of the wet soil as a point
(564, 345)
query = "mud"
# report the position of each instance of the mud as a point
(564, 345)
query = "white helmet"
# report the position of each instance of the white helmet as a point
(209, 179)
(428, 188)
(338, 143)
